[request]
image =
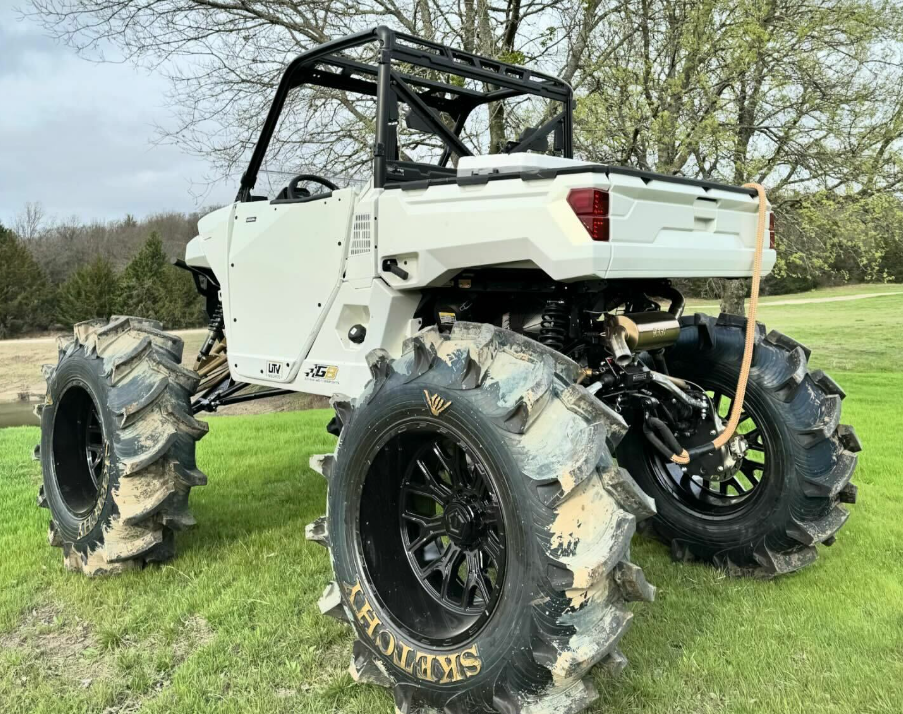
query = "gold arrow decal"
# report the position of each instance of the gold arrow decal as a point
(436, 403)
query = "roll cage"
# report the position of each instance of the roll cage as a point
(426, 97)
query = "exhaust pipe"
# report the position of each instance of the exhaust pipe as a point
(640, 332)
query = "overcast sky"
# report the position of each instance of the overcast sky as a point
(77, 136)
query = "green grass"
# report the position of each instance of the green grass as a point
(835, 291)
(232, 625)
(856, 336)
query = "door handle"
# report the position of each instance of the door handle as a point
(390, 265)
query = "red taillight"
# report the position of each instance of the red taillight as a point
(591, 207)
(772, 241)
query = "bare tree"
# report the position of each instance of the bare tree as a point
(30, 221)
(229, 56)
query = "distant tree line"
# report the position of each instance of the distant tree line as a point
(826, 239)
(54, 275)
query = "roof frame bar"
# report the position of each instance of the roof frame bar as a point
(504, 80)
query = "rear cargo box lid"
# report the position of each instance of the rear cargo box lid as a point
(512, 163)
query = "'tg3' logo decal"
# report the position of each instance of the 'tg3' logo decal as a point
(322, 373)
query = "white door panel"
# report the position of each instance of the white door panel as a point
(285, 264)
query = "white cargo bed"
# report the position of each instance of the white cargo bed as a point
(512, 211)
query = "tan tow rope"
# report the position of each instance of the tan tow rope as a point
(746, 364)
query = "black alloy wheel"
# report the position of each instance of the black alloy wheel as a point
(709, 498)
(785, 496)
(452, 528)
(78, 449)
(449, 534)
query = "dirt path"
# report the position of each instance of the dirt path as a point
(52, 338)
(806, 301)
(21, 360)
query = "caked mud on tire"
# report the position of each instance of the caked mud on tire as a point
(514, 462)
(118, 445)
(805, 471)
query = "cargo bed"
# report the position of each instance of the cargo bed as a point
(512, 210)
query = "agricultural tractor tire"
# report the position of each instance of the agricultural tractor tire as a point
(479, 527)
(118, 445)
(785, 495)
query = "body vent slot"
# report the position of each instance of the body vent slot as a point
(360, 234)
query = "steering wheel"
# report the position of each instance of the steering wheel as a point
(292, 190)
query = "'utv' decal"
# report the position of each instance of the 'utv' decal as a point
(274, 369)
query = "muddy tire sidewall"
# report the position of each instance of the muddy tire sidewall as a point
(84, 531)
(509, 627)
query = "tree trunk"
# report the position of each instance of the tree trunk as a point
(733, 296)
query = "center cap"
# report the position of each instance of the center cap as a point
(463, 522)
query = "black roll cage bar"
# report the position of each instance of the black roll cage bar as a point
(317, 67)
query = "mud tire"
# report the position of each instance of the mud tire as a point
(570, 515)
(142, 399)
(814, 459)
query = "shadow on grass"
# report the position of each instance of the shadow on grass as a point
(258, 488)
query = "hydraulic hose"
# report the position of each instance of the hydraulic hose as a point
(737, 408)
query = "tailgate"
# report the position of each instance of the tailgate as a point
(673, 227)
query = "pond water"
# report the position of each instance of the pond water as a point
(17, 414)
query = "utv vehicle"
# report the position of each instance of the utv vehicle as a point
(524, 388)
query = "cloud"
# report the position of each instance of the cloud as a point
(76, 135)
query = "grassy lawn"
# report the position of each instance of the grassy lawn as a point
(832, 292)
(232, 625)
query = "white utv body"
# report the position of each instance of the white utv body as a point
(520, 396)
(294, 277)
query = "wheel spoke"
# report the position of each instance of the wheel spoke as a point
(466, 475)
(430, 529)
(491, 515)
(716, 401)
(426, 491)
(483, 587)
(433, 487)
(479, 484)
(443, 564)
(492, 547)
(749, 468)
(450, 571)
(440, 563)
(444, 464)
(473, 574)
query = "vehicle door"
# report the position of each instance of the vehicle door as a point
(286, 259)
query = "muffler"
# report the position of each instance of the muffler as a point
(640, 332)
